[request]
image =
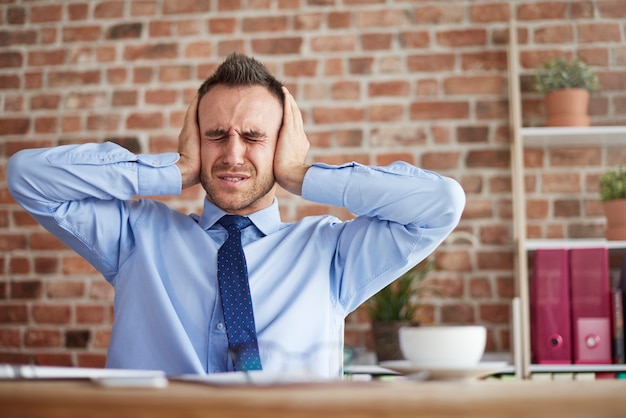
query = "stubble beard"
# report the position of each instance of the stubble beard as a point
(233, 201)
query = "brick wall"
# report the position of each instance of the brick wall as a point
(377, 80)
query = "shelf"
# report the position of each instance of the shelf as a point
(574, 136)
(536, 244)
(578, 368)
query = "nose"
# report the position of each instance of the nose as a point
(234, 150)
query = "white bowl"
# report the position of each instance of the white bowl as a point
(449, 346)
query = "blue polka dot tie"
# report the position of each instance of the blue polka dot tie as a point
(232, 275)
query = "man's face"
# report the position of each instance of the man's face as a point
(238, 134)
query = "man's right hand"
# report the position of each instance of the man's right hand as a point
(189, 147)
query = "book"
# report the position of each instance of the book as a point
(617, 326)
(591, 305)
(551, 339)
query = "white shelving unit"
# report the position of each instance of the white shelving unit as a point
(523, 138)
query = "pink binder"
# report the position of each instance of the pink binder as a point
(551, 341)
(591, 305)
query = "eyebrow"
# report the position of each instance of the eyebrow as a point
(253, 133)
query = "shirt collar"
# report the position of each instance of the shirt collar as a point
(266, 220)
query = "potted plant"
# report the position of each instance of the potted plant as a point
(394, 307)
(566, 85)
(613, 197)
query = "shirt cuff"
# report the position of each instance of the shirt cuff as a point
(158, 174)
(326, 184)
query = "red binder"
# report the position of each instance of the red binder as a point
(551, 340)
(591, 305)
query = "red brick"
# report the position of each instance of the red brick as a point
(143, 8)
(388, 158)
(13, 314)
(90, 314)
(54, 359)
(439, 110)
(344, 90)
(101, 290)
(45, 241)
(11, 59)
(474, 85)
(65, 289)
(457, 314)
(488, 158)
(554, 34)
(45, 265)
(19, 265)
(323, 115)
(361, 65)
(16, 15)
(14, 126)
(81, 33)
(376, 41)
(285, 45)
(161, 97)
(110, 122)
(39, 337)
(109, 10)
(152, 120)
(389, 88)
(174, 73)
(73, 78)
(301, 68)
(480, 288)
(51, 314)
(599, 32)
(46, 13)
(91, 360)
(45, 101)
(10, 338)
(478, 209)
(436, 14)
(484, 61)
(328, 43)
(102, 338)
(222, 25)
(431, 62)
(415, 39)
(150, 52)
(610, 9)
(185, 6)
(542, 11)
(490, 12)
(385, 113)
(45, 125)
(495, 313)
(494, 260)
(125, 31)
(264, 24)
(441, 160)
(382, 18)
(77, 11)
(9, 82)
(199, 49)
(460, 38)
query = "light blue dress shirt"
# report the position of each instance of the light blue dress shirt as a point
(305, 277)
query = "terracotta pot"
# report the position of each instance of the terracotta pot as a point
(567, 107)
(615, 212)
(386, 340)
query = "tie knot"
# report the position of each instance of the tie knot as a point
(240, 222)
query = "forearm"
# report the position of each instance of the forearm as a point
(398, 193)
(40, 179)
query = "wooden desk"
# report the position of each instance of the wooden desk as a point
(484, 399)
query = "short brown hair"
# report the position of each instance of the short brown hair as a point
(239, 70)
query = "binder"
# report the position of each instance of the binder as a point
(551, 339)
(617, 326)
(591, 305)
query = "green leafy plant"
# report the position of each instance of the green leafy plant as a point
(557, 74)
(397, 301)
(613, 184)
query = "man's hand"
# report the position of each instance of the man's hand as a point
(189, 146)
(291, 149)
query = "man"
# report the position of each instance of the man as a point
(242, 135)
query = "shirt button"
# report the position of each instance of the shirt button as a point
(219, 326)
